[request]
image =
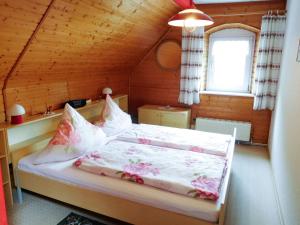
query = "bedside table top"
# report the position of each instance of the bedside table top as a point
(165, 108)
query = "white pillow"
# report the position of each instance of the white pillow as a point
(74, 136)
(113, 120)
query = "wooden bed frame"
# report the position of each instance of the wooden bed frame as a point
(108, 205)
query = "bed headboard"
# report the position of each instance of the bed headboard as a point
(36, 145)
(39, 127)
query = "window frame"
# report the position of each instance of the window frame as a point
(231, 33)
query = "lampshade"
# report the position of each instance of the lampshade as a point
(190, 18)
(17, 110)
(107, 91)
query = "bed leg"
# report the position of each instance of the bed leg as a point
(19, 190)
(20, 195)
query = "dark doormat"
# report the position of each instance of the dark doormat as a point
(75, 219)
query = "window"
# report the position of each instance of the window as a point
(230, 58)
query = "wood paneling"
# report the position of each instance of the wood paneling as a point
(18, 20)
(80, 47)
(36, 97)
(232, 13)
(150, 84)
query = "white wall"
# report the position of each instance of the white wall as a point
(285, 129)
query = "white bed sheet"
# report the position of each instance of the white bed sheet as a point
(65, 172)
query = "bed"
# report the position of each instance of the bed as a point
(118, 199)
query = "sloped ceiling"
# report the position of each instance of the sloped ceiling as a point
(74, 46)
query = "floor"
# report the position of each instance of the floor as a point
(252, 196)
(251, 199)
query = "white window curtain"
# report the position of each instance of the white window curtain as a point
(268, 61)
(191, 66)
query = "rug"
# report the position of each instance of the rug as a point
(75, 219)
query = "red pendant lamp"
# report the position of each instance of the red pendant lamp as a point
(190, 18)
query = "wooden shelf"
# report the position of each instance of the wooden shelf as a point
(36, 118)
(5, 169)
(8, 195)
(43, 124)
(120, 99)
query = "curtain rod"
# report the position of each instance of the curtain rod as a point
(270, 12)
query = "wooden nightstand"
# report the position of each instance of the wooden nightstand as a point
(165, 116)
(4, 161)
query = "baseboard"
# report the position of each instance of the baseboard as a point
(250, 143)
(259, 144)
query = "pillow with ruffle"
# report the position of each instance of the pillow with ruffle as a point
(113, 120)
(74, 137)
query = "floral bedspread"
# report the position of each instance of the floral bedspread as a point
(186, 139)
(188, 173)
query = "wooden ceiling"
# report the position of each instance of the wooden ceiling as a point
(68, 41)
(78, 35)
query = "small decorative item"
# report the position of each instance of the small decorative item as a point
(77, 103)
(89, 101)
(49, 111)
(168, 55)
(16, 112)
(298, 53)
(106, 91)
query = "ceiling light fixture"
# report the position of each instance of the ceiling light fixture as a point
(190, 18)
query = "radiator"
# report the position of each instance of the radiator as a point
(243, 129)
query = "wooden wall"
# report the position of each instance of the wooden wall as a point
(152, 85)
(55, 50)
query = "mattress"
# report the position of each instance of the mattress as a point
(185, 139)
(65, 172)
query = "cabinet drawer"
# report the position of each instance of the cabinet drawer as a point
(179, 120)
(149, 117)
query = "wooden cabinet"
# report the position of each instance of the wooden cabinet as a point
(165, 116)
(6, 185)
(149, 116)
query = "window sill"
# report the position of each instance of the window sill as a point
(227, 93)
